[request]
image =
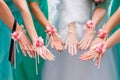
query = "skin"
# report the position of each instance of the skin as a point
(112, 22)
(22, 5)
(6, 13)
(71, 41)
(89, 34)
(55, 40)
(24, 43)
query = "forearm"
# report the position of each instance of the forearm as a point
(22, 5)
(38, 14)
(98, 15)
(114, 39)
(72, 28)
(113, 21)
(6, 15)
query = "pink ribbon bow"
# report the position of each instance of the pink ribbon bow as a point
(39, 42)
(101, 33)
(16, 36)
(100, 48)
(90, 24)
(50, 30)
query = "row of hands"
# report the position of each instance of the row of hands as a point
(72, 44)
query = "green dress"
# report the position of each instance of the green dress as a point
(6, 72)
(116, 48)
(26, 70)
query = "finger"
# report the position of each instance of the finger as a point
(31, 50)
(42, 55)
(57, 45)
(51, 42)
(46, 53)
(60, 47)
(83, 44)
(69, 49)
(89, 57)
(78, 47)
(81, 41)
(22, 48)
(87, 54)
(51, 57)
(88, 44)
(66, 45)
(72, 49)
(97, 63)
(50, 53)
(83, 47)
(75, 49)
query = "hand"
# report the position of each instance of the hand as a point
(45, 53)
(92, 54)
(87, 39)
(71, 43)
(41, 50)
(56, 42)
(26, 45)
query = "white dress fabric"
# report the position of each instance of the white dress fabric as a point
(65, 66)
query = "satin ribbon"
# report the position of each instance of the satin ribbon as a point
(39, 42)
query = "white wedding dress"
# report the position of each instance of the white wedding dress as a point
(65, 66)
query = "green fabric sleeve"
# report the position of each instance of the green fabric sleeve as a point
(32, 0)
(104, 4)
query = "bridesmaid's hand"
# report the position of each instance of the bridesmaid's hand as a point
(26, 45)
(87, 39)
(45, 53)
(92, 54)
(56, 42)
(41, 50)
(71, 43)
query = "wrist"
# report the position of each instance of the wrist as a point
(90, 24)
(19, 28)
(102, 33)
(39, 42)
(101, 47)
(17, 35)
(72, 28)
(50, 30)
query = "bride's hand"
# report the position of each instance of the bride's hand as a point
(87, 39)
(71, 41)
(56, 42)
